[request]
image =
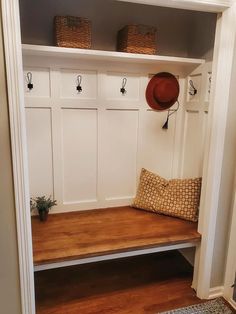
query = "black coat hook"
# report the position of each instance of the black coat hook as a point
(123, 90)
(192, 89)
(209, 85)
(29, 80)
(79, 80)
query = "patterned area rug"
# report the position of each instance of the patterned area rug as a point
(217, 306)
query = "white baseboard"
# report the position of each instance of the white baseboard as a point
(216, 292)
(232, 303)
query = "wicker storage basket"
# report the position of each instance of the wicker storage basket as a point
(73, 32)
(137, 39)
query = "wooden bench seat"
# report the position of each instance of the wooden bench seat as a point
(79, 237)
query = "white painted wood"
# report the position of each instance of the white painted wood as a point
(231, 258)
(39, 141)
(100, 55)
(120, 154)
(156, 149)
(14, 69)
(114, 256)
(69, 82)
(193, 154)
(199, 5)
(221, 79)
(114, 82)
(196, 80)
(40, 81)
(156, 144)
(79, 136)
(147, 139)
(232, 303)
(216, 292)
(195, 121)
(178, 132)
(56, 135)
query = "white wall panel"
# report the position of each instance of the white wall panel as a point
(120, 152)
(157, 145)
(79, 138)
(69, 82)
(196, 81)
(40, 81)
(39, 140)
(192, 163)
(94, 148)
(113, 85)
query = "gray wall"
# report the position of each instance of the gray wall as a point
(179, 31)
(9, 272)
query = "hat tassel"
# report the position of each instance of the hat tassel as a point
(165, 125)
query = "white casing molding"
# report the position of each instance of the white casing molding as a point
(231, 259)
(13, 57)
(216, 292)
(232, 303)
(221, 79)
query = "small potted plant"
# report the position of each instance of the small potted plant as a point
(42, 205)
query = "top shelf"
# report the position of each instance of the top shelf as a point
(199, 5)
(87, 54)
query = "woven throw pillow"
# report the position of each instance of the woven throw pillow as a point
(151, 188)
(176, 197)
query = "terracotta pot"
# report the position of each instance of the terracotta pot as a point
(43, 215)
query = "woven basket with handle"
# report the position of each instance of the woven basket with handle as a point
(73, 32)
(137, 39)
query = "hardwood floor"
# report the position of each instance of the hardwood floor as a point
(77, 235)
(143, 284)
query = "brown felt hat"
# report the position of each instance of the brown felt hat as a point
(162, 91)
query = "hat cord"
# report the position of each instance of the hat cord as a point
(165, 125)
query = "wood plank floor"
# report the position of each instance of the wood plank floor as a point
(144, 284)
(77, 235)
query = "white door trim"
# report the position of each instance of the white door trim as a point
(231, 259)
(213, 159)
(213, 156)
(14, 69)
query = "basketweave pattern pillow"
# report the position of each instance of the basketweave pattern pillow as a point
(151, 187)
(177, 197)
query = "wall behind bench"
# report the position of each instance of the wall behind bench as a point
(87, 149)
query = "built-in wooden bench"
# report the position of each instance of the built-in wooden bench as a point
(100, 234)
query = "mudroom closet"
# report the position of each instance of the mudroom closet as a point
(89, 134)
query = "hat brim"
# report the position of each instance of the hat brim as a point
(153, 83)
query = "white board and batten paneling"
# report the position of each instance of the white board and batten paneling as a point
(87, 148)
(39, 138)
(195, 120)
(79, 155)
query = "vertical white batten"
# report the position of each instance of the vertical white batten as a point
(222, 68)
(14, 69)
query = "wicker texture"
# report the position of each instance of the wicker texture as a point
(137, 39)
(72, 32)
(177, 197)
